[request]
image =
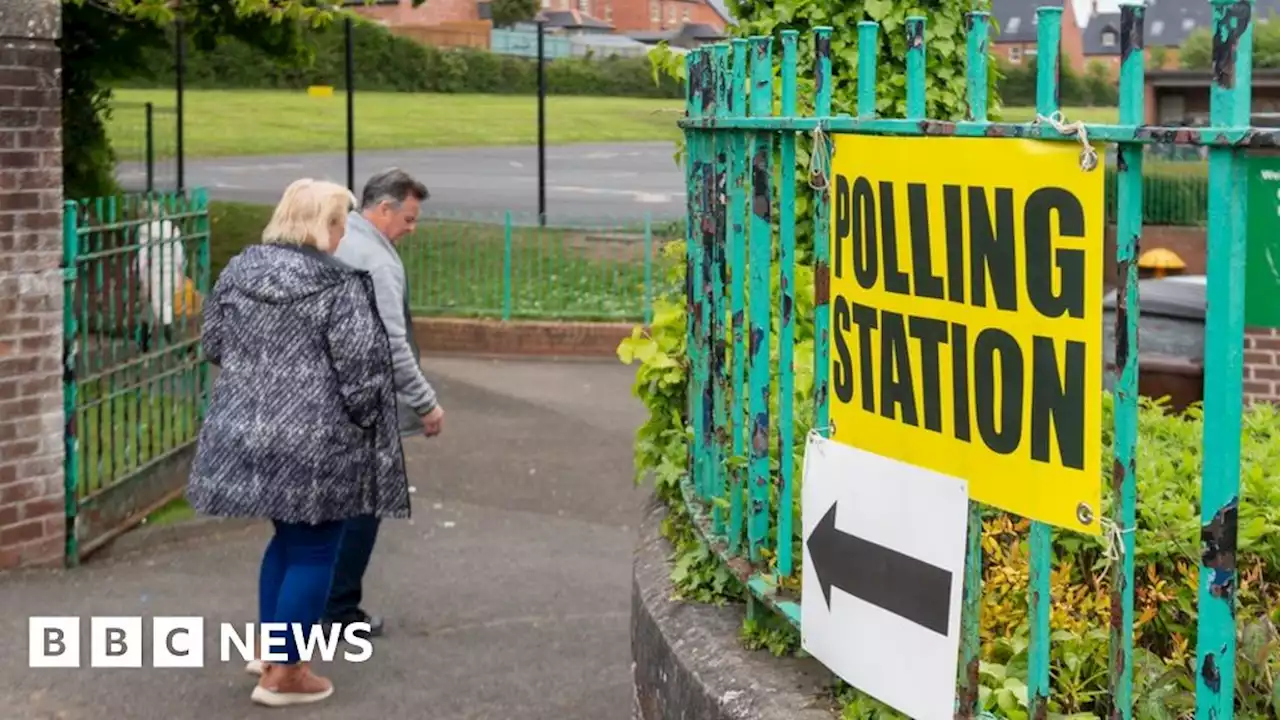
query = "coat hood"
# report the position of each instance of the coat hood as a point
(282, 274)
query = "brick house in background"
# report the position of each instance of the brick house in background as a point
(625, 16)
(1167, 24)
(435, 12)
(1014, 31)
(632, 16)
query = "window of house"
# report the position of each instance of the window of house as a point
(1188, 23)
(655, 10)
(584, 6)
(1015, 54)
(671, 14)
(1108, 38)
(608, 12)
(1157, 28)
(1013, 24)
(686, 15)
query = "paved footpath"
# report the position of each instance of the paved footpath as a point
(507, 596)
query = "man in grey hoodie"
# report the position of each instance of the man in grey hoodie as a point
(388, 213)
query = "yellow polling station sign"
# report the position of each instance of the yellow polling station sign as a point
(966, 316)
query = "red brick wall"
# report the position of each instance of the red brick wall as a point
(1072, 40)
(32, 516)
(429, 13)
(638, 15)
(1072, 45)
(1261, 365)
(488, 338)
(1187, 243)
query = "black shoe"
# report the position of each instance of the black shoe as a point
(375, 622)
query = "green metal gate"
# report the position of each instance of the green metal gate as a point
(135, 379)
(746, 513)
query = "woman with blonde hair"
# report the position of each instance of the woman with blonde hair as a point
(301, 426)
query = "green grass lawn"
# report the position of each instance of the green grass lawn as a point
(269, 122)
(1104, 115)
(458, 268)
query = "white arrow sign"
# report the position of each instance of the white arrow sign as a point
(884, 575)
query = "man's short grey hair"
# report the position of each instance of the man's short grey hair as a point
(393, 186)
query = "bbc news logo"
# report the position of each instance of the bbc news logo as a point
(178, 642)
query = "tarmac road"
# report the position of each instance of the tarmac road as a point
(585, 183)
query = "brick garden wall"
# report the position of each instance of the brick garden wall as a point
(486, 338)
(1261, 365)
(32, 516)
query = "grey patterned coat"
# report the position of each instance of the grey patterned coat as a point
(302, 420)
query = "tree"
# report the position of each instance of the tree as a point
(1018, 84)
(1099, 86)
(1197, 49)
(102, 39)
(509, 12)
(1158, 57)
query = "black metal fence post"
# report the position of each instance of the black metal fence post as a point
(151, 148)
(351, 108)
(180, 67)
(542, 126)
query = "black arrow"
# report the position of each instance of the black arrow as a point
(907, 587)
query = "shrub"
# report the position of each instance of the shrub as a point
(1167, 546)
(1095, 88)
(385, 62)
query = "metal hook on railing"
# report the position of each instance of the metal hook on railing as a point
(1088, 156)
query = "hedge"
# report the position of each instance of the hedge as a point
(385, 62)
(1167, 198)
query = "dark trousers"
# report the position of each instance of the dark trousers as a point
(358, 538)
(296, 571)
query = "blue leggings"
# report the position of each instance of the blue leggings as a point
(297, 570)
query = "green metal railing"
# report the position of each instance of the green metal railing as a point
(136, 382)
(745, 512)
(510, 268)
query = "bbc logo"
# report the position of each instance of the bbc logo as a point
(178, 642)
(116, 642)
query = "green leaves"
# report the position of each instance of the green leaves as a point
(878, 10)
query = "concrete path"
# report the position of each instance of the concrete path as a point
(507, 596)
(591, 183)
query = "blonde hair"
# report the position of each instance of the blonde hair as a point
(305, 211)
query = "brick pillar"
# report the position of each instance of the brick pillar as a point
(1261, 365)
(32, 512)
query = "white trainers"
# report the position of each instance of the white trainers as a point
(254, 667)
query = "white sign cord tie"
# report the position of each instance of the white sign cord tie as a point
(820, 159)
(1088, 156)
(1113, 540)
